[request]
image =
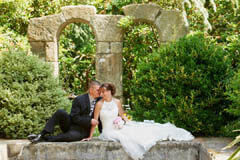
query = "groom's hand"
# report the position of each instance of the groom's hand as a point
(86, 139)
(94, 122)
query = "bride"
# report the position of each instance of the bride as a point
(135, 137)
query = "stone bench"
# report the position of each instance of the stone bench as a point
(104, 150)
(3, 152)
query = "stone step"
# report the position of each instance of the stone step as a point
(215, 146)
(3, 152)
(105, 150)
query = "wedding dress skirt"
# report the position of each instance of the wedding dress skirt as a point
(137, 137)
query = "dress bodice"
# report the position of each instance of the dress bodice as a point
(108, 114)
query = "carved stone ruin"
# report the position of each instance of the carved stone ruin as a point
(44, 32)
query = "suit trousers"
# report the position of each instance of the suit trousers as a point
(69, 134)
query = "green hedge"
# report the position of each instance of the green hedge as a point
(29, 94)
(184, 83)
(233, 93)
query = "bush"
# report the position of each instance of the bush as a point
(233, 93)
(233, 47)
(233, 88)
(184, 83)
(29, 94)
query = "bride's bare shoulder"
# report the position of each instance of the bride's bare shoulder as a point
(100, 102)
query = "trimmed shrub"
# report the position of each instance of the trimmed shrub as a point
(233, 88)
(29, 94)
(233, 93)
(184, 83)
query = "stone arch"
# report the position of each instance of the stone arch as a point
(76, 14)
(169, 23)
(44, 32)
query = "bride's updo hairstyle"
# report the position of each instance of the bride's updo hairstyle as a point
(109, 87)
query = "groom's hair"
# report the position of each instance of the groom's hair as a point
(94, 82)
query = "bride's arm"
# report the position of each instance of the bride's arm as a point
(121, 111)
(96, 115)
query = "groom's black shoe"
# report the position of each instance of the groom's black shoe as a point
(38, 138)
(31, 136)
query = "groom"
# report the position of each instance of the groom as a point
(76, 125)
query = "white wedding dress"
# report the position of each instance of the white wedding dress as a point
(137, 137)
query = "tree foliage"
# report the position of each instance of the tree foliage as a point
(76, 57)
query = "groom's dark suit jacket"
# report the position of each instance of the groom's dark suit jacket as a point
(80, 114)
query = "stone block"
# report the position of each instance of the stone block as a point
(83, 12)
(142, 12)
(103, 47)
(38, 48)
(173, 150)
(171, 26)
(203, 153)
(109, 69)
(45, 28)
(3, 152)
(116, 47)
(92, 150)
(51, 52)
(14, 149)
(106, 29)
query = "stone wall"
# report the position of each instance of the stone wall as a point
(106, 150)
(44, 32)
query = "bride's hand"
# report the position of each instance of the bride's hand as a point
(126, 119)
(86, 139)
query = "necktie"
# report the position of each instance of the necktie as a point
(92, 107)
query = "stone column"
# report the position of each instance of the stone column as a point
(42, 33)
(109, 39)
(51, 50)
(47, 51)
(171, 26)
(38, 48)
